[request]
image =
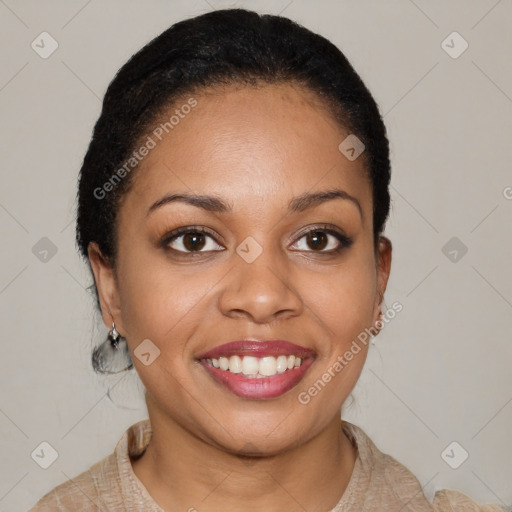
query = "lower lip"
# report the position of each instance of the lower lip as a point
(267, 387)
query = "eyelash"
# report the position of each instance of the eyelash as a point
(344, 241)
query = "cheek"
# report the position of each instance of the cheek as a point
(160, 301)
(163, 305)
(343, 300)
(343, 307)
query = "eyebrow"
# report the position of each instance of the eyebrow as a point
(296, 205)
(309, 200)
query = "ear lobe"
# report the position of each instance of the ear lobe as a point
(105, 280)
(383, 266)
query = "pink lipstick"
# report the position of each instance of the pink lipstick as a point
(258, 369)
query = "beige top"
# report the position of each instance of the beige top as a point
(378, 482)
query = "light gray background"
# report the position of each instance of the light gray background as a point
(439, 372)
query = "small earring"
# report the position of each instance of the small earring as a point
(113, 336)
(375, 328)
(113, 355)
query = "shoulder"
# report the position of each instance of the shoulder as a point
(387, 481)
(381, 479)
(448, 500)
(106, 483)
(83, 492)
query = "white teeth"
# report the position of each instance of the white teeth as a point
(268, 366)
(258, 368)
(281, 364)
(235, 364)
(250, 365)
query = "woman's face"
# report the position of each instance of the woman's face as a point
(253, 274)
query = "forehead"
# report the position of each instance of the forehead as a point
(254, 146)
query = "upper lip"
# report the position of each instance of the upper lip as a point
(257, 348)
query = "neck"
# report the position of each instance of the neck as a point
(183, 472)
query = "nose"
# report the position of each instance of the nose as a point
(261, 291)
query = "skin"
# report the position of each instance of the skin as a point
(256, 148)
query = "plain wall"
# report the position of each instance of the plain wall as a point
(439, 372)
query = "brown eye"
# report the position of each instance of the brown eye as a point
(191, 241)
(323, 241)
(317, 240)
(194, 241)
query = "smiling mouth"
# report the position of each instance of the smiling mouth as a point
(256, 368)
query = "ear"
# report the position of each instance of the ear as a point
(383, 268)
(106, 284)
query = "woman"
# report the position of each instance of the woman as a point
(231, 207)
